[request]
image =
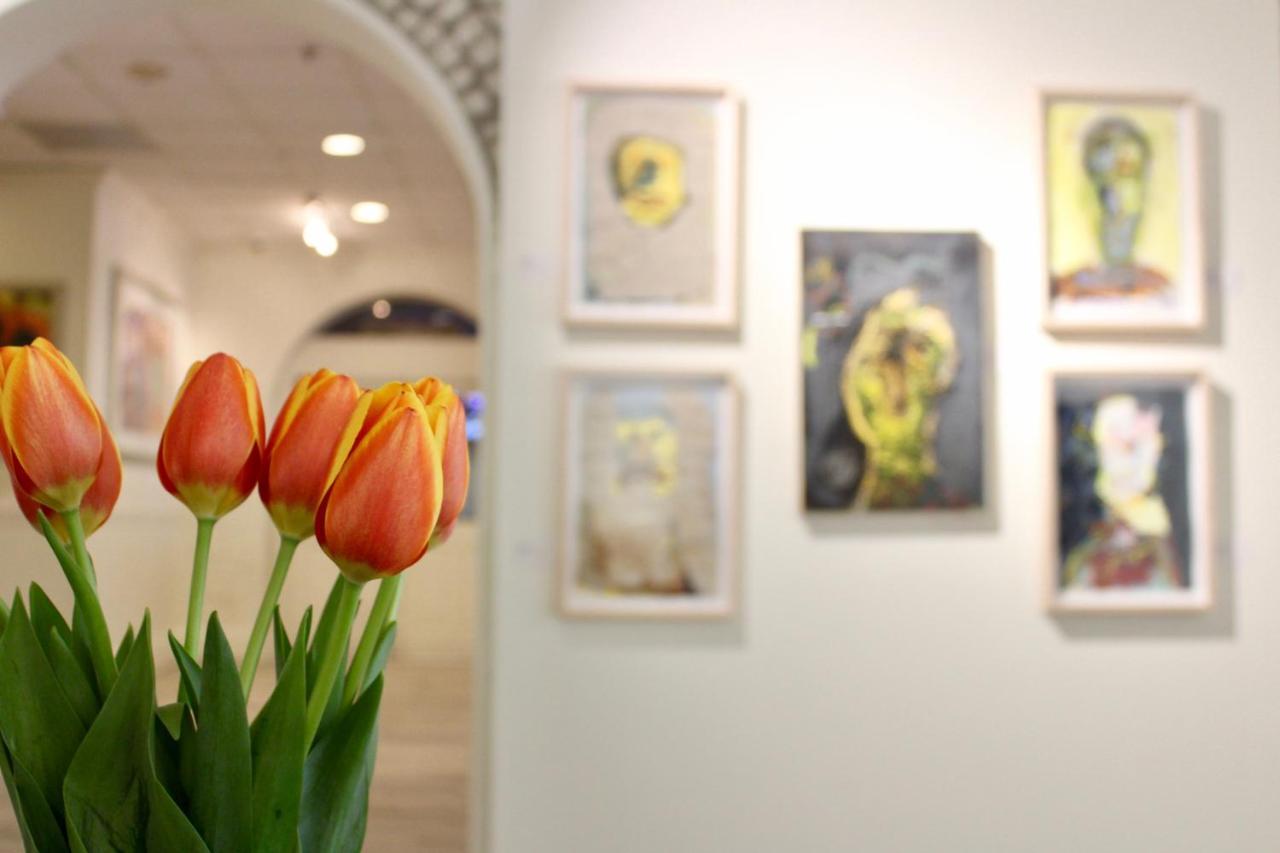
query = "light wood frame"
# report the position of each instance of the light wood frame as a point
(1198, 401)
(723, 314)
(650, 607)
(1191, 277)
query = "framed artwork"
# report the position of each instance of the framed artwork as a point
(649, 510)
(653, 208)
(1131, 518)
(27, 312)
(1123, 216)
(893, 351)
(144, 363)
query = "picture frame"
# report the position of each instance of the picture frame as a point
(1139, 540)
(648, 511)
(652, 207)
(143, 372)
(1133, 264)
(30, 310)
(931, 288)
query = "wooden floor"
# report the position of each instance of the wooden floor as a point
(419, 798)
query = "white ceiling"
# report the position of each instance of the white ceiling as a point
(235, 128)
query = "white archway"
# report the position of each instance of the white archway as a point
(34, 32)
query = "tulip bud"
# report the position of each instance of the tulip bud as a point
(211, 449)
(98, 502)
(449, 423)
(381, 509)
(51, 430)
(306, 437)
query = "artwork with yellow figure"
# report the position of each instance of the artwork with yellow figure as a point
(1116, 201)
(648, 178)
(26, 313)
(903, 358)
(649, 201)
(648, 523)
(892, 350)
(1123, 517)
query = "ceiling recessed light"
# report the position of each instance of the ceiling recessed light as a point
(382, 309)
(342, 145)
(370, 212)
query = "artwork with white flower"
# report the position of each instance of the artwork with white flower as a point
(1132, 514)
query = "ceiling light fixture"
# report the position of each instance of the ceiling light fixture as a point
(342, 145)
(370, 212)
(382, 309)
(316, 233)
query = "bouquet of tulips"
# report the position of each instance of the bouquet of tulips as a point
(92, 760)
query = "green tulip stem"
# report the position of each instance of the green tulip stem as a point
(331, 656)
(388, 595)
(270, 598)
(79, 573)
(199, 572)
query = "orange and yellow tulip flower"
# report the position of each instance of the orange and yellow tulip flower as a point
(98, 502)
(50, 430)
(449, 423)
(300, 452)
(212, 446)
(378, 515)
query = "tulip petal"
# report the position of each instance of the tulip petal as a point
(53, 431)
(214, 429)
(450, 427)
(378, 517)
(301, 454)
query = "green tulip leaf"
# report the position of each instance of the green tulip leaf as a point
(126, 642)
(6, 770)
(279, 753)
(106, 785)
(46, 832)
(168, 755)
(167, 827)
(4, 615)
(335, 791)
(221, 800)
(40, 726)
(45, 618)
(75, 685)
(188, 669)
(280, 641)
(381, 654)
(326, 626)
(80, 644)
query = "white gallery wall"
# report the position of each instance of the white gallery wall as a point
(891, 684)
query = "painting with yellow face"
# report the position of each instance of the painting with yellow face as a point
(1131, 505)
(1122, 212)
(652, 208)
(893, 359)
(648, 503)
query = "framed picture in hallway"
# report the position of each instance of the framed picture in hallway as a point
(1131, 519)
(28, 311)
(652, 208)
(649, 503)
(1122, 213)
(143, 365)
(894, 360)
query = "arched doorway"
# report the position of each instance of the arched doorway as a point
(34, 32)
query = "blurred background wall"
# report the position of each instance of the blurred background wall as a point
(892, 686)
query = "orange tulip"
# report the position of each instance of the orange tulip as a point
(450, 427)
(98, 502)
(306, 437)
(378, 515)
(211, 449)
(51, 431)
